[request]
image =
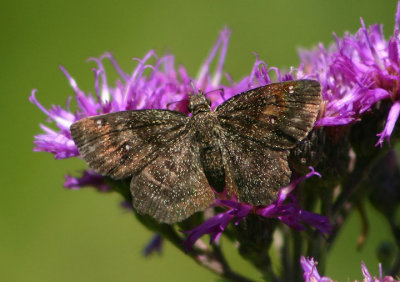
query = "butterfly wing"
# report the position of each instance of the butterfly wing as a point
(121, 144)
(173, 186)
(277, 115)
(258, 129)
(155, 148)
(253, 172)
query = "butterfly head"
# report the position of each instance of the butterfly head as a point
(199, 103)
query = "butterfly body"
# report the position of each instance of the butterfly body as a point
(208, 135)
(175, 159)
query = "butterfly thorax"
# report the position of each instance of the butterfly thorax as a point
(199, 103)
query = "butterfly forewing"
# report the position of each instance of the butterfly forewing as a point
(123, 143)
(277, 115)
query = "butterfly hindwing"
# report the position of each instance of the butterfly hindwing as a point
(173, 186)
(254, 172)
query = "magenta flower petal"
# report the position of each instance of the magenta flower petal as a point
(368, 277)
(63, 118)
(154, 246)
(56, 143)
(88, 178)
(285, 191)
(310, 272)
(391, 121)
(213, 226)
(365, 272)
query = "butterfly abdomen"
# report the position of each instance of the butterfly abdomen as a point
(211, 159)
(207, 136)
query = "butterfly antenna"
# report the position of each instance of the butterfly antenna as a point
(220, 91)
(195, 92)
(175, 102)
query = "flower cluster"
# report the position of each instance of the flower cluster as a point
(310, 272)
(355, 73)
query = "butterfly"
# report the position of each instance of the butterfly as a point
(175, 160)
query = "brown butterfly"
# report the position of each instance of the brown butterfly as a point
(174, 160)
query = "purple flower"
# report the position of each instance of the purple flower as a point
(58, 143)
(369, 278)
(311, 273)
(88, 178)
(289, 213)
(154, 246)
(216, 225)
(355, 73)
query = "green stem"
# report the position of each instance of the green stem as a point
(286, 258)
(346, 200)
(228, 273)
(395, 269)
(297, 253)
(316, 242)
(255, 237)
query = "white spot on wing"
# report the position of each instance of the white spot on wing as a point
(99, 123)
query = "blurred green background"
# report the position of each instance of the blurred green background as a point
(48, 233)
